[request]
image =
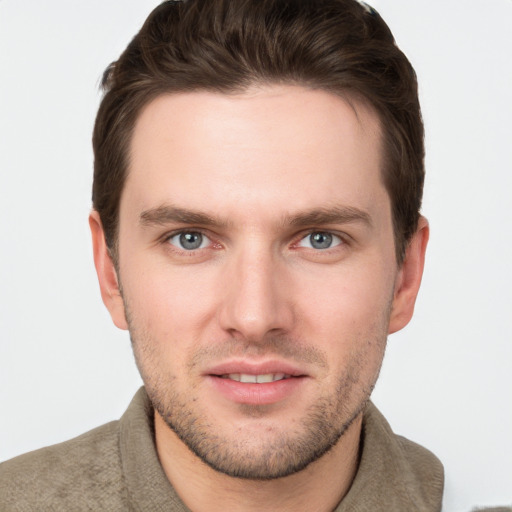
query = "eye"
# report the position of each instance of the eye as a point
(189, 240)
(320, 240)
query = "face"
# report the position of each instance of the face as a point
(257, 270)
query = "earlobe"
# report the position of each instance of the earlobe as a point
(107, 275)
(409, 278)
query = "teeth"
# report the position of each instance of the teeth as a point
(256, 379)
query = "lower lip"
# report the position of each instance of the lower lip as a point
(256, 394)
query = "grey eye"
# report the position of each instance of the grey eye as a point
(189, 240)
(320, 240)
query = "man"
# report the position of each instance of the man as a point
(256, 228)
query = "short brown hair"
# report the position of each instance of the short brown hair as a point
(340, 46)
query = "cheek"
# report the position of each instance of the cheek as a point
(348, 298)
(349, 318)
(167, 301)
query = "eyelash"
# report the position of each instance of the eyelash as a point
(191, 252)
(334, 235)
(343, 240)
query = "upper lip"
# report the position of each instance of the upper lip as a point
(255, 368)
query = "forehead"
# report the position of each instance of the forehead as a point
(270, 146)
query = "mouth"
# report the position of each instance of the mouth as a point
(247, 378)
(255, 372)
(257, 384)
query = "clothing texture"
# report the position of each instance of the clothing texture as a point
(115, 467)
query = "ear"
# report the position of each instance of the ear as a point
(107, 275)
(408, 279)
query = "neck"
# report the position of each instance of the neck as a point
(319, 487)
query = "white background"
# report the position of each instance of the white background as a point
(446, 381)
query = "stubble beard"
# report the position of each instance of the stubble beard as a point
(279, 453)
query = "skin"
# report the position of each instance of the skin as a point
(256, 174)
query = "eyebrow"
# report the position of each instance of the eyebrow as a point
(329, 215)
(168, 214)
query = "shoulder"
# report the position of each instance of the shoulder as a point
(421, 461)
(405, 455)
(394, 473)
(77, 472)
(423, 473)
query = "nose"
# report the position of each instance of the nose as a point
(256, 297)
